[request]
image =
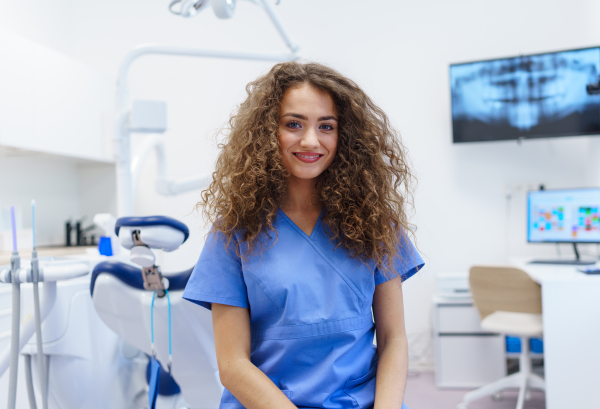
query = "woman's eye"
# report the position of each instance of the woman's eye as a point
(293, 125)
(326, 127)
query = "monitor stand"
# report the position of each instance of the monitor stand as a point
(576, 262)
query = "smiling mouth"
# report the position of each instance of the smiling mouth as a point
(307, 156)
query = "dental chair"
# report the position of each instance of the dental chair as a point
(122, 295)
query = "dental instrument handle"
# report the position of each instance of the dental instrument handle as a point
(33, 221)
(14, 228)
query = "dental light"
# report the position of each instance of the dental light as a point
(189, 8)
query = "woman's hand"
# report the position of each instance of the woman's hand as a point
(392, 344)
(254, 390)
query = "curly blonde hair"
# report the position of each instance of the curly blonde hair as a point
(367, 189)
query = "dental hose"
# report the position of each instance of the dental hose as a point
(29, 381)
(38, 330)
(35, 272)
(15, 264)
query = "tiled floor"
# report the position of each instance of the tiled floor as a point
(421, 393)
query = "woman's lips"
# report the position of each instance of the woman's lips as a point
(307, 157)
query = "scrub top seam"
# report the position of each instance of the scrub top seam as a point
(327, 260)
(314, 323)
(415, 267)
(204, 297)
(253, 335)
(260, 285)
(298, 229)
(309, 336)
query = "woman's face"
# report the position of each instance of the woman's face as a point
(308, 131)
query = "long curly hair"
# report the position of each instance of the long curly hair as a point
(367, 190)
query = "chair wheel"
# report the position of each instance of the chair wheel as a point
(462, 406)
(497, 397)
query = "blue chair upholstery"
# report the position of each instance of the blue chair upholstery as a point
(132, 276)
(152, 221)
(166, 384)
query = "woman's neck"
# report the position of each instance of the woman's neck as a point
(301, 195)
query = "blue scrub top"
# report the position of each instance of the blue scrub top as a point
(310, 312)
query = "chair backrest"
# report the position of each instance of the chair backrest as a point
(498, 288)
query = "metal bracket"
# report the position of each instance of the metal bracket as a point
(135, 236)
(153, 280)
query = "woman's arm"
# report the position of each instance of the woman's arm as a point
(238, 374)
(392, 345)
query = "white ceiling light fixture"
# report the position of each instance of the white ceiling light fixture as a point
(189, 8)
(224, 8)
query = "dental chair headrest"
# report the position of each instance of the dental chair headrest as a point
(156, 232)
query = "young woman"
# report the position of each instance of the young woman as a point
(308, 246)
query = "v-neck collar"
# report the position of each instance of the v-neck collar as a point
(298, 229)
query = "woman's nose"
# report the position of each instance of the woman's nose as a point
(310, 139)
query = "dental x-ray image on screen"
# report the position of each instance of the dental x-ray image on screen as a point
(531, 96)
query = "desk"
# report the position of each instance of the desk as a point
(571, 310)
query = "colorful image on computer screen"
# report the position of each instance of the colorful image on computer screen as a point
(571, 215)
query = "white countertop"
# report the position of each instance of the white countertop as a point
(541, 273)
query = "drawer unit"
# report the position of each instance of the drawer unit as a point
(470, 361)
(458, 318)
(466, 356)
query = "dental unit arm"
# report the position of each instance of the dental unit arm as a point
(164, 185)
(54, 271)
(128, 170)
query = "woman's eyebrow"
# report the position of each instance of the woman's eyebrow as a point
(300, 116)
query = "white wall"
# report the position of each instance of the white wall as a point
(63, 189)
(400, 55)
(26, 176)
(45, 22)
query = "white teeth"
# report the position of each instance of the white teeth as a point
(307, 157)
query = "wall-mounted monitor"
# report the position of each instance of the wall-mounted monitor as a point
(532, 96)
(564, 216)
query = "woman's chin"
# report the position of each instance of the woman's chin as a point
(306, 175)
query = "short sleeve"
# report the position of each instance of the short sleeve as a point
(217, 276)
(407, 263)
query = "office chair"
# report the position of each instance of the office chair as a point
(509, 302)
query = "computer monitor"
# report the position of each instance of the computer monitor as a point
(564, 216)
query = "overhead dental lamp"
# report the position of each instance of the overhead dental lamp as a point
(189, 8)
